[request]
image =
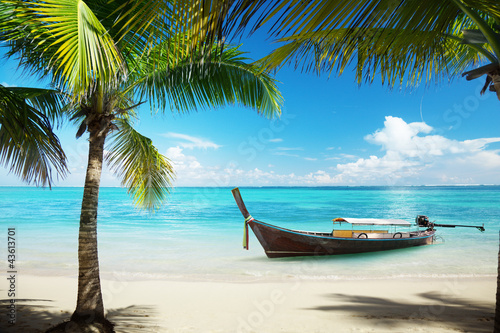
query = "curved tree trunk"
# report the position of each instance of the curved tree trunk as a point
(89, 313)
(497, 308)
(89, 301)
(495, 77)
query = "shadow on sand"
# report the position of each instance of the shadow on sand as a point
(433, 310)
(38, 315)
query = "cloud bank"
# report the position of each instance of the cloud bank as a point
(410, 154)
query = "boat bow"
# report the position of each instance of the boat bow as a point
(246, 215)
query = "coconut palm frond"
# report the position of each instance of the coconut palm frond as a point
(8, 24)
(139, 25)
(200, 24)
(199, 83)
(48, 101)
(145, 172)
(135, 25)
(474, 36)
(28, 146)
(483, 20)
(399, 60)
(402, 40)
(70, 41)
(291, 17)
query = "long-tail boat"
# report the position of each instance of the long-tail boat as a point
(365, 235)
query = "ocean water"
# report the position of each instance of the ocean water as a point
(198, 233)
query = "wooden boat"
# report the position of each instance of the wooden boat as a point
(281, 242)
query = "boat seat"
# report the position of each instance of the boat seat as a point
(349, 233)
(381, 235)
(342, 233)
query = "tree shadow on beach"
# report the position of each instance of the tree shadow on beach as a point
(454, 313)
(31, 315)
(134, 319)
(37, 316)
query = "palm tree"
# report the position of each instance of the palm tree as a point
(110, 57)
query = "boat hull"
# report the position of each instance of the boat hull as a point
(280, 242)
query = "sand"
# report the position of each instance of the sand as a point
(394, 305)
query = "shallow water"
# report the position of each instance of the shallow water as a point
(198, 233)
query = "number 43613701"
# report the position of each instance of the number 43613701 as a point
(11, 247)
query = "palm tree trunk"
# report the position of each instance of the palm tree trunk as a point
(496, 82)
(89, 306)
(497, 308)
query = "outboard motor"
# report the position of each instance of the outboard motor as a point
(423, 221)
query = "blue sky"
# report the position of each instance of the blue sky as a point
(331, 132)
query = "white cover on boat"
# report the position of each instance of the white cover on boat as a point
(359, 221)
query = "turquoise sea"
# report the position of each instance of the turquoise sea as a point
(198, 233)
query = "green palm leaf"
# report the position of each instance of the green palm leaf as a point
(406, 40)
(28, 146)
(144, 171)
(290, 17)
(403, 59)
(200, 23)
(199, 82)
(70, 41)
(49, 102)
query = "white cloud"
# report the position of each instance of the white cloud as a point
(284, 151)
(320, 177)
(190, 172)
(286, 154)
(182, 162)
(190, 142)
(276, 140)
(414, 158)
(342, 156)
(289, 148)
(410, 155)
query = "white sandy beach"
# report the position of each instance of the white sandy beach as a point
(394, 305)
